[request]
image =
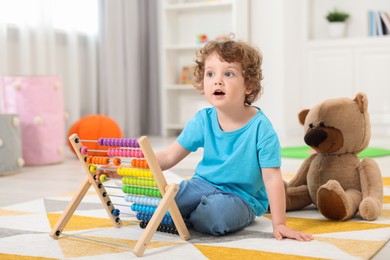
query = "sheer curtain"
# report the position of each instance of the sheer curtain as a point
(46, 37)
(105, 51)
(128, 65)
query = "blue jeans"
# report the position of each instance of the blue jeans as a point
(210, 210)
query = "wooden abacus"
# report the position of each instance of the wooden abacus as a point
(142, 149)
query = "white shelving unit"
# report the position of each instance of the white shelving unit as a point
(181, 23)
(357, 24)
(345, 66)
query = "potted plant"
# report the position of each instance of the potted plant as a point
(337, 23)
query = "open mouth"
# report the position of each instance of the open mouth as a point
(218, 93)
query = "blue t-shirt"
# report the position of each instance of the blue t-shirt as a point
(232, 161)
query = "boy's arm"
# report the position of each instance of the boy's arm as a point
(167, 158)
(171, 155)
(276, 195)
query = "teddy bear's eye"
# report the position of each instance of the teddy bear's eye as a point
(322, 124)
(311, 125)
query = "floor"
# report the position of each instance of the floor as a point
(34, 182)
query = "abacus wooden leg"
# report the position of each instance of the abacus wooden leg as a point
(75, 202)
(155, 221)
(167, 203)
(70, 209)
(178, 220)
(162, 185)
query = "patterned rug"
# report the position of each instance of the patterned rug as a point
(25, 228)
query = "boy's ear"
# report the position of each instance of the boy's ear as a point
(248, 91)
(302, 116)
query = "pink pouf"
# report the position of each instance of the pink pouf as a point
(38, 100)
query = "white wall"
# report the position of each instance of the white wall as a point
(276, 27)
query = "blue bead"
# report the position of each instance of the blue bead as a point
(115, 212)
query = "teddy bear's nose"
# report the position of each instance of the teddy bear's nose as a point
(315, 137)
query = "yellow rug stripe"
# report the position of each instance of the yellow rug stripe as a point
(77, 247)
(386, 199)
(386, 181)
(4, 212)
(363, 249)
(219, 252)
(385, 213)
(82, 223)
(319, 226)
(21, 257)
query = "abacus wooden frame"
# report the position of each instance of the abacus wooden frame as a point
(168, 193)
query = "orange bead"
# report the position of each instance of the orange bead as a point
(117, 161)
(89, 159)
(106, 160)
(145, 164)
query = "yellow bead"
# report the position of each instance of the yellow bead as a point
(92, 168)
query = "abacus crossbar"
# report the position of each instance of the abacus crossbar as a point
(168, 193)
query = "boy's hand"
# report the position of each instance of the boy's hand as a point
(102, 174)
(282, 231)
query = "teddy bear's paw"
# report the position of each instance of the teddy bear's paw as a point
(370, 208)
(297, 197)
(330, 202)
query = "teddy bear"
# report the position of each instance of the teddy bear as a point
(333, 177)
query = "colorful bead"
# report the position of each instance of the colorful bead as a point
(84, 150)
(115, 212)
(119, 142)
(93, 168)
(89, 160)
(102, 178)
(143, 224)
(117, 161)
(100, 141)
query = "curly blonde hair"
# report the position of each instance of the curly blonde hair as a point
(230, 50)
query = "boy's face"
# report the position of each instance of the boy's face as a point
(224, 84)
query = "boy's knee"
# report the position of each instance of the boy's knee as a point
(210, 216)
(208, 206)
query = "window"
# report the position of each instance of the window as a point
(78, 15)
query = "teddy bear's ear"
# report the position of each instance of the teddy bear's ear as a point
(302, 116)
(361, 100)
